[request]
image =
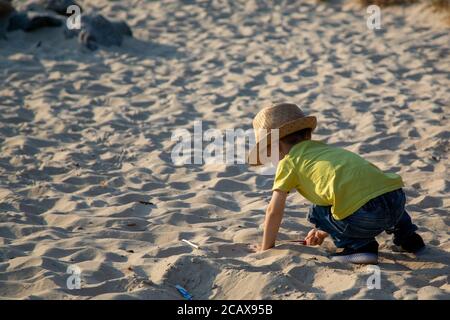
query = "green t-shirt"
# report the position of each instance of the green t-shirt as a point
(330, 176)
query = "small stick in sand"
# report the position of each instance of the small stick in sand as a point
(146, 202)
(298, 241)
(190, 243)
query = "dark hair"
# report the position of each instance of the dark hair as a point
(298, 136)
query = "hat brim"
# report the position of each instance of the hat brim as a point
(309, 122)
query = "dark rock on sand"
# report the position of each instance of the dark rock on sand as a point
(18, 21)
(97, 30)
(123, 27)
(30, 22)
(42, 21)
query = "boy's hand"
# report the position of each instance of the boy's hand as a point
(315, 237)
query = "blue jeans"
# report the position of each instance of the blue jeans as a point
(383, 213)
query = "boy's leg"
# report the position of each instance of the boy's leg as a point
(322, 218)
(403, 229)
(405, 235)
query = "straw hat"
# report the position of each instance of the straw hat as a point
(287, 117)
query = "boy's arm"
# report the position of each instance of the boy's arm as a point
(274, 214)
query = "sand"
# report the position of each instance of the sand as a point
(85, 138)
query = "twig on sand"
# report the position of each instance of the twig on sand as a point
(302, 241)
(190, 243)
(146, 202)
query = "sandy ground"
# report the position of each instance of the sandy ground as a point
(85, 136)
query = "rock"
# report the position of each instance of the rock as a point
(18, 21)
(436, 109)
(70, 33)
(123, 27)
(30, 22)
(97, 30)
(42, 21)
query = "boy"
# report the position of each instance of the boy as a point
(353, 200)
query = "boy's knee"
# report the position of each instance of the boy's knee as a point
(311, 215)
(317, 214)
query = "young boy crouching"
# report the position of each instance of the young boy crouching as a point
(353, 200)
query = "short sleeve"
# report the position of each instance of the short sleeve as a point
(285, 178)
